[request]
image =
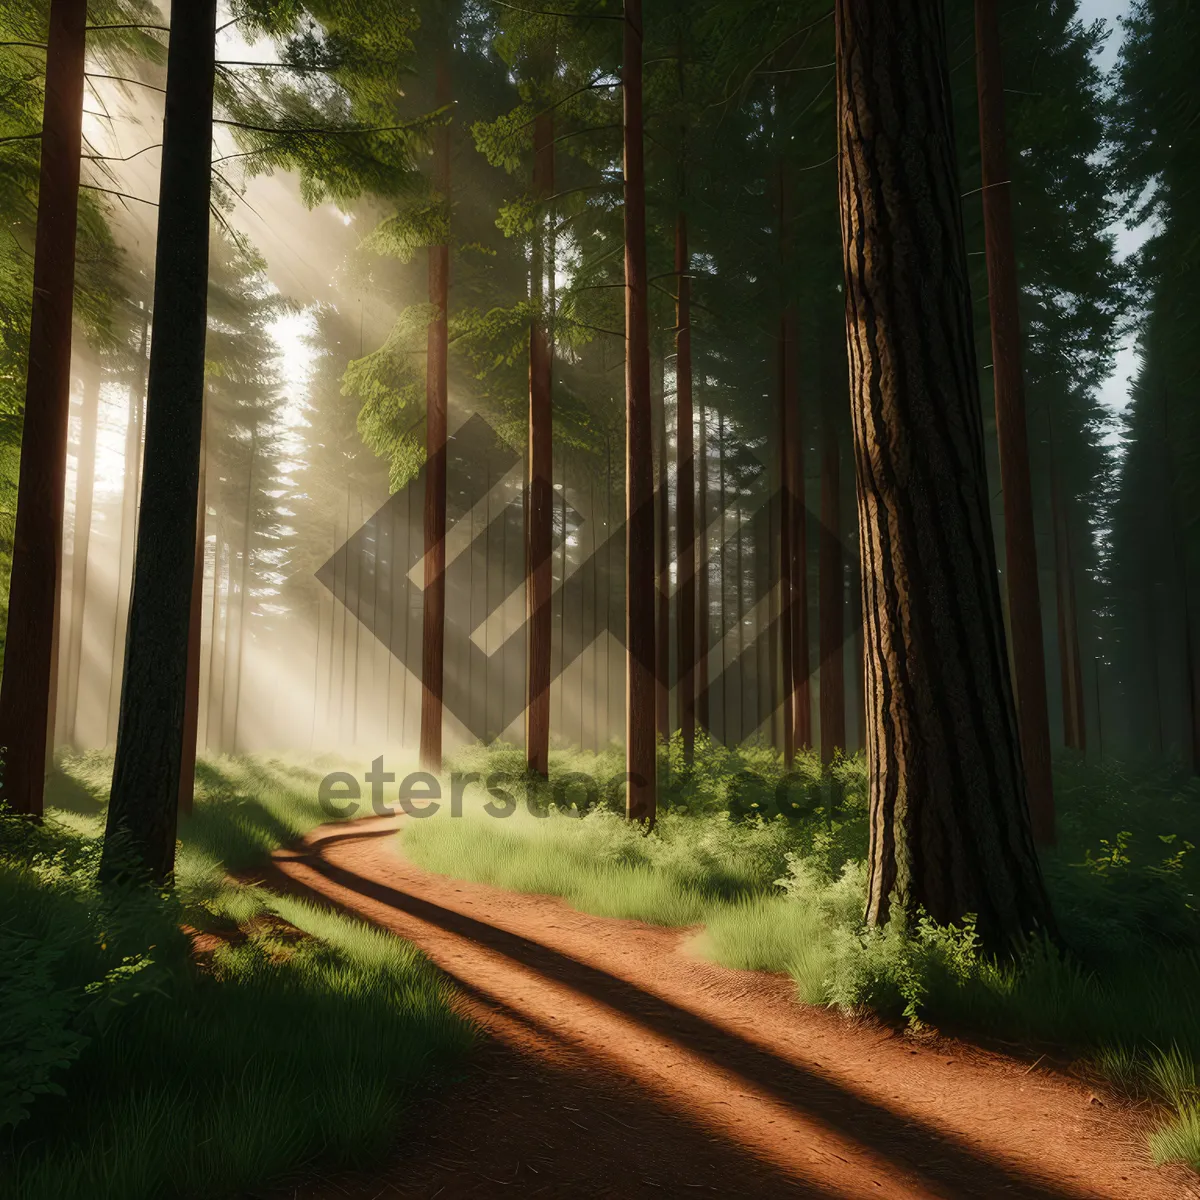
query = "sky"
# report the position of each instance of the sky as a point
(1114, 393)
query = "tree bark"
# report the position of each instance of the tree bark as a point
(28, 687)
(140, 834)
(539, 580)
(434, 628)
(85, 486)
(1020, 539)
(685, 494)
(191, 705)
(640, 759)
(832, 600)
(949, 822)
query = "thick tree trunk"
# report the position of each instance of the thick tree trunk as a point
(949, 822)
(640, 764)
(539, 581)
(130, 484)
(85, 486)
(703, 619)
(1020, 539)
(28, 684)
(434, 629)
(685, 494)
(140, 834)
(832, 600)
(191, 705)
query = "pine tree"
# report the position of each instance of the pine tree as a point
(950, 831)
(26, 710)
(140, 832)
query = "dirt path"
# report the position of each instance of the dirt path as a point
(619, 1066)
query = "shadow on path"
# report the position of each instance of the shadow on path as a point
(943, 1165)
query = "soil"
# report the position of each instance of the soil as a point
(616, 1064)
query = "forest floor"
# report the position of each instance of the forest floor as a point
(619, 1065)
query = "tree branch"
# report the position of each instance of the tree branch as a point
(589, 129)
(157, 28)
(114, 158)
(92, 187)
(319, 129)
(122, 79)
(541, 12)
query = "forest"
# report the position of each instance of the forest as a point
(597, 598)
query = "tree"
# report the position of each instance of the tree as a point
(949, 823)
(1024, 605)
(685, 530)
(35, 592)
(539, 582)
(433, 639)
(85, 479)
(640, 756)
(140, 832)
(1154, 552)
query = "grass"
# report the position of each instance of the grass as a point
(129, 1069)
(785, 893)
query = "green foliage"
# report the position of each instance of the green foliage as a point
(423, 223)
(389, 384)
(787, 893)
(134, 1068)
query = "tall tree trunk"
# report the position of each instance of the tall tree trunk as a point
(685, 494)
(85, 486)
(215, 679)
(1020, 539)
(1190, 668)
(191, 705)
(130, 482)
(28, 685)
(949, 822)
(787, 518)
(246, 575)
(662, 598)
(1073, 633)
(145, 788)
(703, 619)
(794, 536)
(1070, 675)
(434, 628)
(539, 579)
(832, 598)
(640, 759)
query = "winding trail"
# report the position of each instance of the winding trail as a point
(619, 1066)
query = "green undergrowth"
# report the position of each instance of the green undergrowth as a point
(131, 1067)
(781, 887)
